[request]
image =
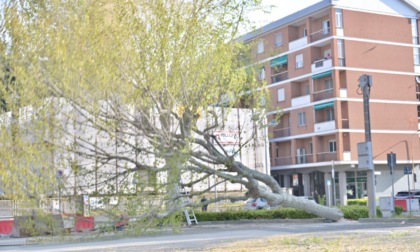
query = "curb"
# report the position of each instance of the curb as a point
(390, 220)
(239, 222)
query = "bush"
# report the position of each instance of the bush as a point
(357, 202)
(280, 213)
(355, 212)
(398, 210)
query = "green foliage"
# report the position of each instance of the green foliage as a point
(357, 202)
(281, 213)
(321, 200)
(134, 76)
(398, 210)
(355, 212)
(378, 212)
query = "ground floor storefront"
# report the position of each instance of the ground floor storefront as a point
(335, 183)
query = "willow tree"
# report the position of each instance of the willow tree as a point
(129, 92)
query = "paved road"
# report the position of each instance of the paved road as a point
(197, 238)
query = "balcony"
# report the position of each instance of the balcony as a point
(323, 126)
(318, 35)
(326, 156)
(279, 77)
(304, 159)
(298, 43)
(301, 100)
(321, 65)
(283, 132)
(324, 94)
(279, 161)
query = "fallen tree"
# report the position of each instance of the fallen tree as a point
(117, 93)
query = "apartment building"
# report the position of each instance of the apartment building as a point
(311, 62)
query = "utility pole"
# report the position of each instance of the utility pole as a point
(365, 149)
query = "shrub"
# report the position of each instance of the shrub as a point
(358, 202)
(280, 213)
(398, 210)
(355, 212)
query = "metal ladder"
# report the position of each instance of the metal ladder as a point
(185, 200)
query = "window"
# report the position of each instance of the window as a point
(299, 61)
(260, 47)
(328, 85)
(415, 34)
(414, 31)
(279, 39)
(339, 18)
(280, 94)
(307, 90)
(332, 146)
(416, 55)
(261, 75)
(311, 148)
(330, 114)
(301, 156)
(305, 32)
(340, 52)
(325, 27)
(301, 118)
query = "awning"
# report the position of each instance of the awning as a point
(323, 105)
(279, 61)
(317, 76)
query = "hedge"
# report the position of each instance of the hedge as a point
(278, 213)
(352, 212)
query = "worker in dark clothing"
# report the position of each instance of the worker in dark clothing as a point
(204, 200)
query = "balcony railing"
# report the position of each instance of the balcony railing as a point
(284, 132)
(326, 156)
(322, 126)
(301, 100)
(279, 77)
(279, 161)
(321, 65)
(304, 159)
(324, 94)
(320, 34)
(301, 42)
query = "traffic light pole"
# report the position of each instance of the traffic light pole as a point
(365, 83)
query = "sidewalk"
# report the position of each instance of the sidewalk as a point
(6, 240)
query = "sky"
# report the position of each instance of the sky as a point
(282, 8)
(279, 9)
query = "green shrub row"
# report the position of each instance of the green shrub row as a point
(355, 212)
(351, 212)
(279, 213)
(357, 202)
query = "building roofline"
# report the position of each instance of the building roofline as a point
(303, 13)
(412, 4)
(288, 19)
